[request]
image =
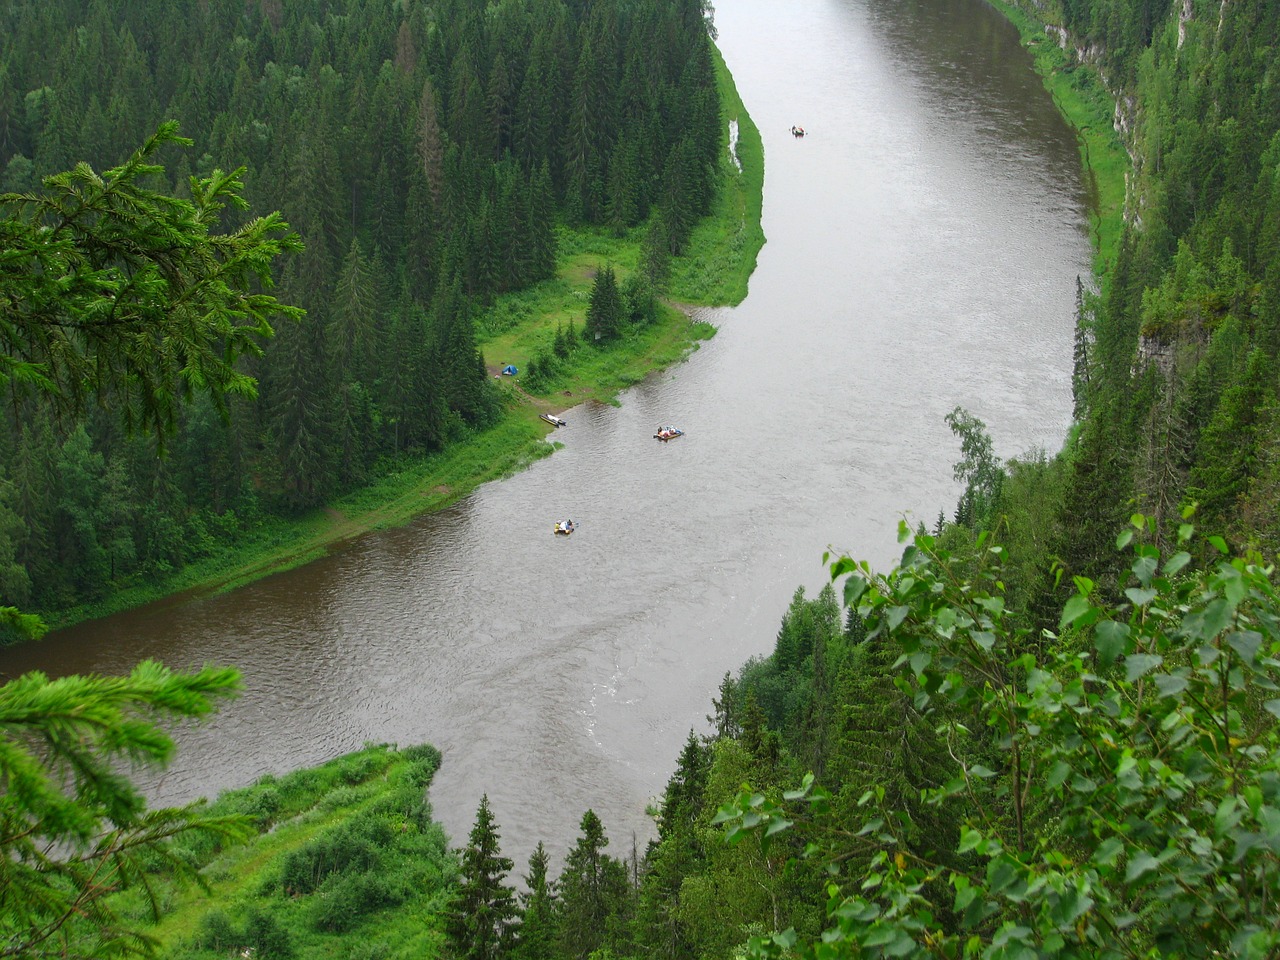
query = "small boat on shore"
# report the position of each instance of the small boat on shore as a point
(565, 527)
(668, 433)
(555, 421)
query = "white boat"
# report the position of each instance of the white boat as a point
(555, 421)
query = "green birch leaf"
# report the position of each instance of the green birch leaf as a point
(854, 588)
(1140, 598)
(1140, 865)
(1108, 851)
(1076, 608)
(1111, 639)
(1246, 643)
(895, 616)
(1138, 664)
(1170, 684)
(1144, 569)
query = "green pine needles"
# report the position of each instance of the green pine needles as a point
(73, 829)
(112, 290)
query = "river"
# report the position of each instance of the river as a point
(923, 245)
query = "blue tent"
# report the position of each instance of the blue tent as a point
(510, 370)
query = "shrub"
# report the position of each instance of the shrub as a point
(361, 766)
(263, 805)
(267, 939)
(354, 847)
(346, 901)
(216, 932)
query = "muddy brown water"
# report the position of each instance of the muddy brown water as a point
(923, 244)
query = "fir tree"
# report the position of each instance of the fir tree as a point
(537, 935)
(881, 741)
(593, 890)
(604, 310)
(1080, 356)
(64, 743)
(98, 254)
(481, 918)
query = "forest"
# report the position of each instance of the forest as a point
(425, 156)
(1049, 731)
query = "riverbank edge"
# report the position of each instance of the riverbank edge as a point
(714, 271)
(295, 815)
(1079, 93)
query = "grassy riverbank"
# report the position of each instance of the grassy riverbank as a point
(1089, 108)
(347, 863)
(714, 270)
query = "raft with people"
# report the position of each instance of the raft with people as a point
(668, 433)
(565, 527)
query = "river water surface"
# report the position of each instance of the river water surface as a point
(923, 245)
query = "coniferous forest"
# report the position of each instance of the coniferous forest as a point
(1049, 731)
(424, 155)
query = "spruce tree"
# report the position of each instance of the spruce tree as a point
(352, 334)
(678, 203)
(724, 717)
(63, 744)
(481, 918)
(1095, 500)
(1080, 356)
(762, 744)
(98, 254)
(655, 253)
(677, 855)
(880, 740)
(34, 474)
(540, 225)
(1159, 469)
(604, 309)
(299, 409)
(15, 583)
(537, 934)
(1227, 456)
(593, 891)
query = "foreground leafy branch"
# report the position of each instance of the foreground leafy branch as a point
(1133, 809)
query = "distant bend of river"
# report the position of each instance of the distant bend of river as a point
(923, 244)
